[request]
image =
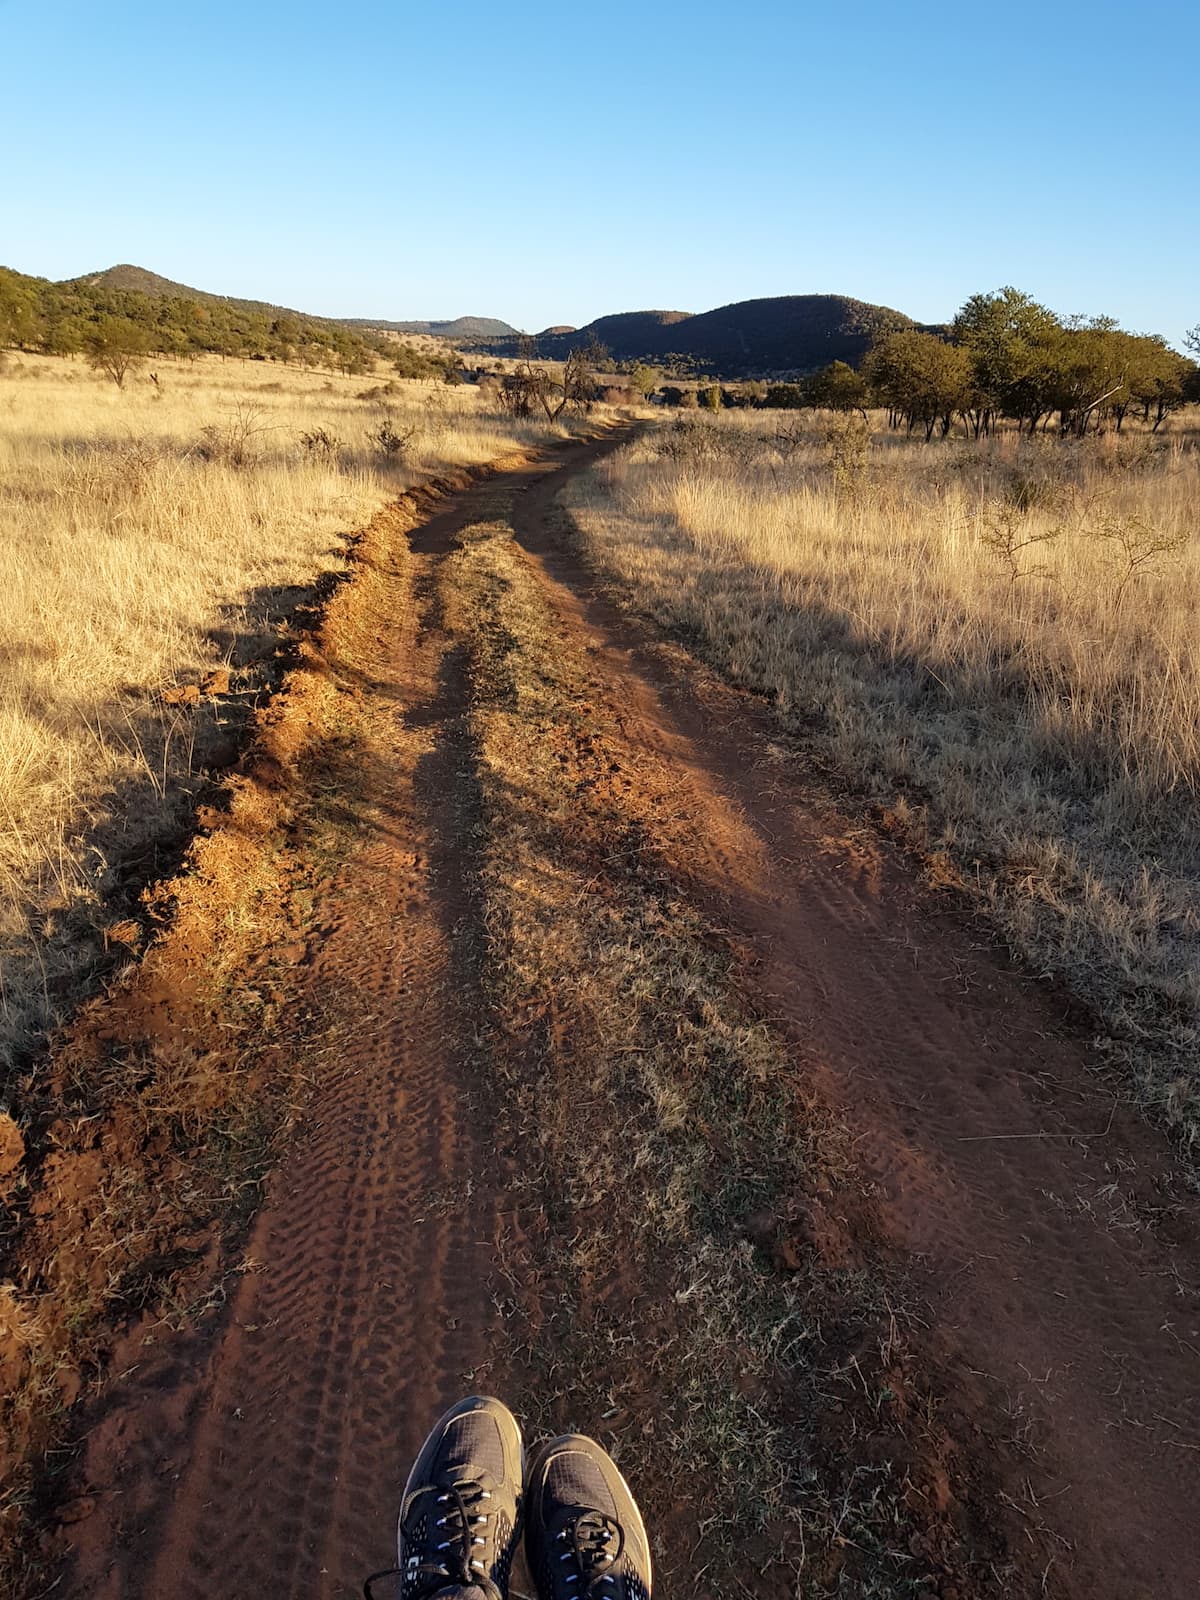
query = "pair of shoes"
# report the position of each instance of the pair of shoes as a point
(469, 1494)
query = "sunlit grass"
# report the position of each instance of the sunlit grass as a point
(149, 536)
(1000, 643)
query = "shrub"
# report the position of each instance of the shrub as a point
(232, 442)
(847, 445)
(784, 397)
(392, 441)
(321, 445)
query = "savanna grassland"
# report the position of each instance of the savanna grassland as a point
(996, 640)
(514, 1001)
(155, 539)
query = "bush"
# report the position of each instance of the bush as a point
(380, 392)
(321, 445)
(232, 442)
(392, 441)
(847, 445)
(784, 397)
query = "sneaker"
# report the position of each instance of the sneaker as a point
(584, 1534)
(461, 1512)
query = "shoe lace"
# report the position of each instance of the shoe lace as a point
(593, 1546)
(446, 1523)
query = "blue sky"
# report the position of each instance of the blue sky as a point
(552, 162)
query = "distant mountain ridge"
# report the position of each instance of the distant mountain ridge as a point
(459, 328)
(128, 279)
(140, 280)
(780, 335)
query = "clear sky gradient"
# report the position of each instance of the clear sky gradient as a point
(550, 163)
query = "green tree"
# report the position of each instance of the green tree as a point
(18, 313)
(837, 387)
(643, 380)
(1087, 365)
(921, 378)
(1006, 334)
(116, 346)
(1156, 379)
(785, 397)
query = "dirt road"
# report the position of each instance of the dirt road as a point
(1049, 1254)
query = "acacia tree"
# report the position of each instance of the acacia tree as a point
(530, 385)
(1006, 335)
(921, 378)
(1157, 379)
(116, 346)
(837, 387)
(643, 380)
(1088, 370)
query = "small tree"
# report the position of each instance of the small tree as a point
(530, 385)
(922, 378)
(116, 347)
(643, 380)
(837, 387)
(710, 397)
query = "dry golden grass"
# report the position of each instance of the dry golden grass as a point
(150, 536)
(999, 642)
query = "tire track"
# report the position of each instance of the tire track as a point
(369, 1299)
(1049, 1235)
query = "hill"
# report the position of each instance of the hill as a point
(151, 315)
(627, 334)
(128, 279)
(781, 336)
(459, 329)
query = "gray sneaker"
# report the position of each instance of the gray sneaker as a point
(584, 1535)
(461, 1512)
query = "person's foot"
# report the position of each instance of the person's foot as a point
(584, 1534)
(461, 1512)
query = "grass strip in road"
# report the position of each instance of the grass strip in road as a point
(670, 1291)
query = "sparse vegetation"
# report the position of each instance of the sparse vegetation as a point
(156, 537)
